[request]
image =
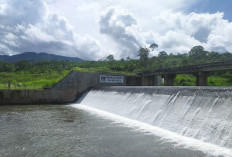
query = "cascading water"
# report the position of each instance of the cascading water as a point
(204, 114)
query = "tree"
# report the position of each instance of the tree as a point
(153, 46)
(197, 51)
(162, 54)
(198, 55)
(214, 56)
(143, 54)
(110, 58)
(22, 65)
(6, 67)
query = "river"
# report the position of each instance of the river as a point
(67, 131)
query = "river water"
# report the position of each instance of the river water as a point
(71, 131)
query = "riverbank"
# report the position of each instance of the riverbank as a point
(68, 90)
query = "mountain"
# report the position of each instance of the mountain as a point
(35, 57)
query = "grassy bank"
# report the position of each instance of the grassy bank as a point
(27, 80)
(213, 80)
(22, 80)
(102, 70)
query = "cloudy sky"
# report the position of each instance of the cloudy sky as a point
(93, 29)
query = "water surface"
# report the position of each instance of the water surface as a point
(66, 131)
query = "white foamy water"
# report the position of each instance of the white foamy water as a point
(193, 121)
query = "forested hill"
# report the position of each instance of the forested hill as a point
(35, 57)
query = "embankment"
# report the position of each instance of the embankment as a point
(66, 91)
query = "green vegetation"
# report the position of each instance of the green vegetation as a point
(185, 80)
(45, 74)
(196, 56)
(21, 80)
(216, 79)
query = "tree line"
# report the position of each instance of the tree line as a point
(197, 55)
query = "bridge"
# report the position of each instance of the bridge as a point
(201, 72)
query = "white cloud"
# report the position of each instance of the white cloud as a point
(178, 32)
(94, 29)
(122, 28)
(174, 32)
(30, 26)
(3, 8)
(22, 13)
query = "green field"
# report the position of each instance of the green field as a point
(213, 80)
(27, 80)
(21, 80)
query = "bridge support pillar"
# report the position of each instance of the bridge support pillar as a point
(151, 81)
(169, 79)
(201, 78)
(158, 81)
(148, 81)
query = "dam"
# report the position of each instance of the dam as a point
(116, 120)
(198, 117)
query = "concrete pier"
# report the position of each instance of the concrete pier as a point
(169, 79)
(148, 81)
(201, 78)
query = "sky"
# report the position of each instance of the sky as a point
(94, 29)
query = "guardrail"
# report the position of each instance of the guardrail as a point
(190, 67)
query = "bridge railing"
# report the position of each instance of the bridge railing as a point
(197, 67)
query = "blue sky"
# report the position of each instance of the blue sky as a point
(93, 29)
(213, 6)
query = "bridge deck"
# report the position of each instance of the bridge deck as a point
(208, 67)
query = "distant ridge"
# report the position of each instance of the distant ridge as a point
(35, 57)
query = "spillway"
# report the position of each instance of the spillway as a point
(202, 114)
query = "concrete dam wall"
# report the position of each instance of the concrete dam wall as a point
(66, 91)
(202, 114)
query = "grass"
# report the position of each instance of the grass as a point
(24, 80)
(21, 80)
(213, 80)
(185, 80)
(102, 70)
(219, 81)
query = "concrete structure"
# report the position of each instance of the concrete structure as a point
(143, 81)
(200, 71)
(201, 78)
(133, 81)
(67, 90)
(169, 79)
